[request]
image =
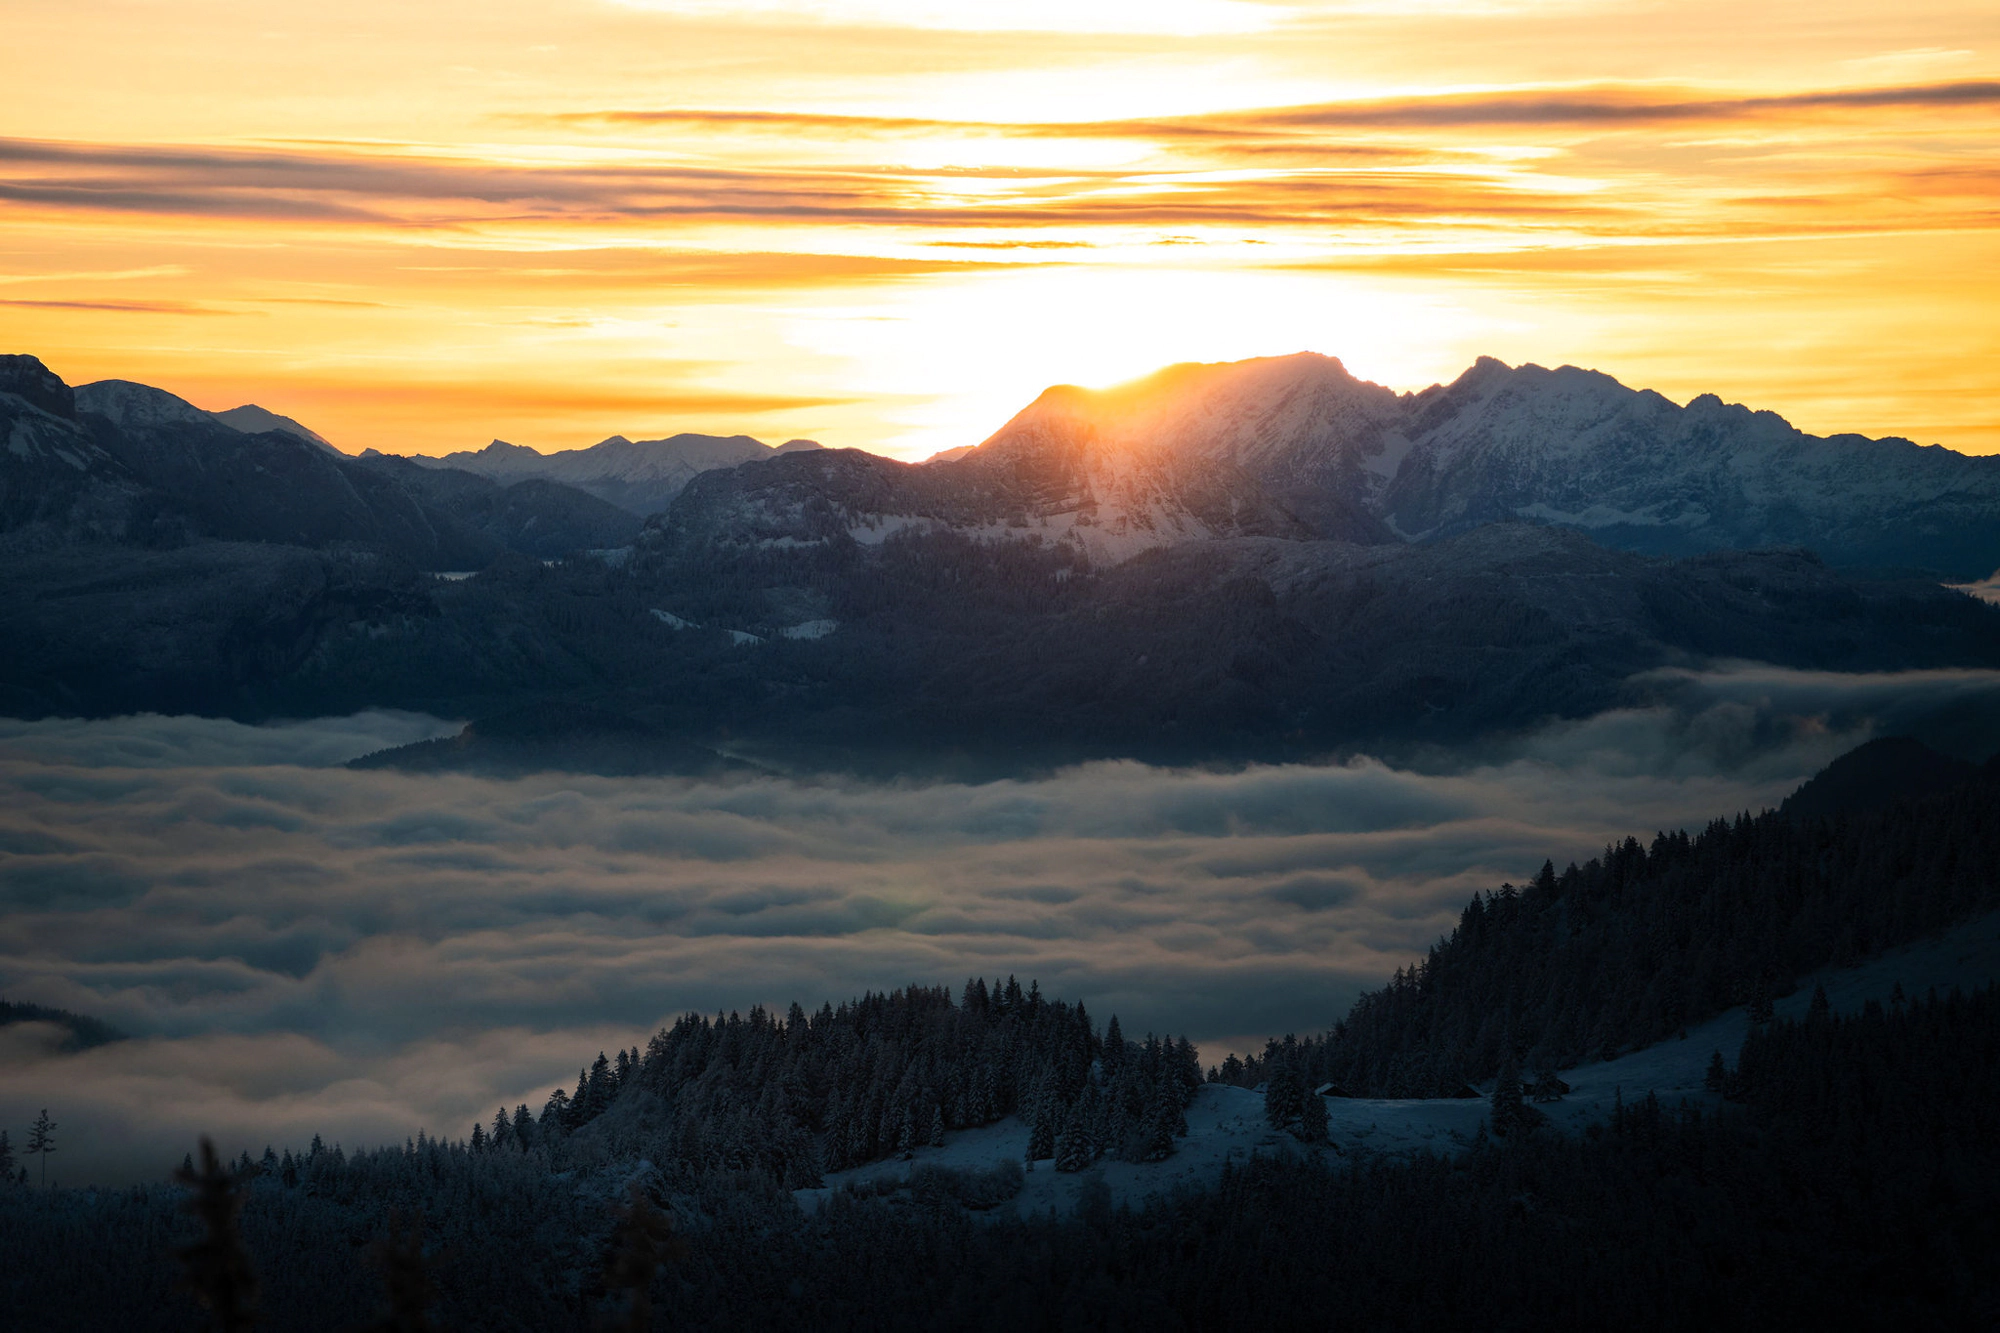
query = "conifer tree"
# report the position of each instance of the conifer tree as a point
(1042, 1131)
(6, 1160)
(1509, 1111)
(1761, 1010)
(1073, 1144)
(1284, 1097)
(554, 1115)
(1312, 1119)
(1157, 1133)
(42, 1142)
(218, 1270)
(406, 1278)
(642, 1238)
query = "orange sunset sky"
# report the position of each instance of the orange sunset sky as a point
(888, 223)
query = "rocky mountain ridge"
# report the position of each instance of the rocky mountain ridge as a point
(1213, 566)
(1296, 446)
(128, 464)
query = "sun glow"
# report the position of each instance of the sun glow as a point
(890, 223)
(964, 356)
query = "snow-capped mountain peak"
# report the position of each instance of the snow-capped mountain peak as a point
(138, 405)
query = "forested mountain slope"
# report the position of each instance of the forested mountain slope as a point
(1849, 1186)
(874, 1077)
(1846, 1179)
(1642, 942)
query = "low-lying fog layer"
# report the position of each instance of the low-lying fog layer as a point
(298, 948)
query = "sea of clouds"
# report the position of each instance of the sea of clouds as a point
(297, 948)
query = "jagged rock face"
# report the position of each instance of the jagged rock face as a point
(56, 483)
(34, 383)
(118, 462)
(1296, 447)
(1195, 454)
(1577, 448)
(1283, 446)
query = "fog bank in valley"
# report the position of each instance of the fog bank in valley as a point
(297, 948)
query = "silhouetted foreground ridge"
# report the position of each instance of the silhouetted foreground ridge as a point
(1641, 942)
(1843, 1178)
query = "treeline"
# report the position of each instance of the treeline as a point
(84, 1031)
(1642, 942)
(875, 1077)
(1851, 1188)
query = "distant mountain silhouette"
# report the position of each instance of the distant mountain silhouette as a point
(254, 420)
(641, 476)
(535, 516)
(127, 464)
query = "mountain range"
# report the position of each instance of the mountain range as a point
(127, 465)
(1297, 447)
(641, 476)
(1268, 559)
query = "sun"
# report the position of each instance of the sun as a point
(964, 356)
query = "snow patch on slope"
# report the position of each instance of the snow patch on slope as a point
(1227, 1125)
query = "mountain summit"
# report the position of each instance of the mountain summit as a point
(1295, 446)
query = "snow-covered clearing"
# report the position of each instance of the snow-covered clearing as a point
(1227, 1124)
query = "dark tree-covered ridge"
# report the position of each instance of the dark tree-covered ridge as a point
(1851, 1188)
(1641, 942)
(875, 1077)
(84, 1031)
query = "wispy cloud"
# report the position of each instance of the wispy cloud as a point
(1588, 106)
(125, 307)
(1252, 171)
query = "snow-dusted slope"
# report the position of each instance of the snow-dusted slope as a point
(1257, 449)
(1578, 448)
(1277, 446)
(1353, 460)
(1227, 1124)
(138, 405)
(55, 481)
